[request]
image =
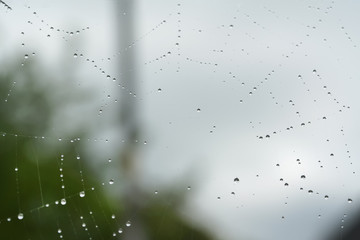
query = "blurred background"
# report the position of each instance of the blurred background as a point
(179, 120)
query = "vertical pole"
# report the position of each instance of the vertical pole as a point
(129, 117)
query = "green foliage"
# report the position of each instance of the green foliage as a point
(36, 186)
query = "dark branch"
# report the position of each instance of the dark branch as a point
(4, 3)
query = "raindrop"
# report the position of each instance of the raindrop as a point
(198, 110)
(111, 181)
(326, 197)
(63, 201)
(188, 188)
(113, 216)
(120, 230)
(303, 177)
(26, 56)
(83, 224)
(236, 180)
(82, 194)
(156, 192)
(59, 230)
(350, 200)
(20, 216)
(310, 191)
(75, 55)
(128, 223)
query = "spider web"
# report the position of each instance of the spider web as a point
(235, 113)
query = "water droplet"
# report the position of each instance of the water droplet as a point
(83, 224)
(113, 216)
(326, 197)
(120, 230)
(236, 180)
(310, 191)
(63, 201)
(111, 181)
(20, 216)
(188, 188)
(75, 55)
(16, 169)
(314, 71)
(128, 223)
(82, 194)
(350, 200)
(156, 192)
(59, 230)
(303, 176)
(60, 139)
(26, 56)
(198, 110)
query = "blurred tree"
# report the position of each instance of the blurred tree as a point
(30, 173)
(30, 163)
